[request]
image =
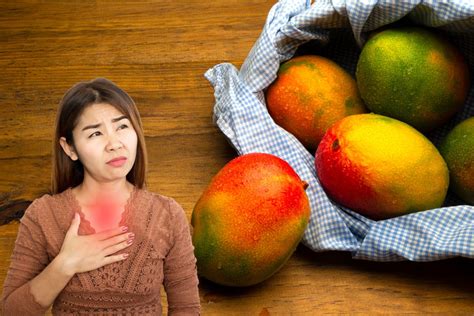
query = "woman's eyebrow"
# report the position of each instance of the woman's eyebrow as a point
(98, 125)
(119, 118)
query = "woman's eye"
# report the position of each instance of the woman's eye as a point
(94, 134)
(123, 126)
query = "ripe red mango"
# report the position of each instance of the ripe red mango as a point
(381, 167)
(249, 220)
(310, 94)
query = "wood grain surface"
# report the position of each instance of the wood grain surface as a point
(158, 51)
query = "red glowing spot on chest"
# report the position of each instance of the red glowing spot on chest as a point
(104, 214)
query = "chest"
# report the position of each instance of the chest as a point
(102, 217)
(141, 273)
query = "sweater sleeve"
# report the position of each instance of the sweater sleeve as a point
(28, 259)
(180, 273)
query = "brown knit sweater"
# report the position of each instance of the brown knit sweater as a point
(162, 253)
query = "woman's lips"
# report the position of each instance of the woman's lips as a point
(117, 162)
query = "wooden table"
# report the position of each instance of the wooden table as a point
(158, 52)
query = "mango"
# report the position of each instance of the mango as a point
(381, 167)
(249, 220)
(413, 74)
(310, 94)
(457, 149)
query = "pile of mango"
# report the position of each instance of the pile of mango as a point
(380, 164)
(371, 152)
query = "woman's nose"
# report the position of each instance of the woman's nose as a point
(113, 143)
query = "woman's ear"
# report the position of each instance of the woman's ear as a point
(68, 149)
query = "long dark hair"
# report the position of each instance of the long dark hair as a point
(67, 173)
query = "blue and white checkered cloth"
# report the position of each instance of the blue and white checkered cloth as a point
(337, 29)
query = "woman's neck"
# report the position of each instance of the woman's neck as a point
(89, 192)
(103, 205)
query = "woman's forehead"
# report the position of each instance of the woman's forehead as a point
(97, 113)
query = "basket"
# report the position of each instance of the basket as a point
(338, 29)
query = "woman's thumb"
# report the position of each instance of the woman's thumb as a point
(76, 221)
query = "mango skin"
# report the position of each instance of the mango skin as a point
(310, 94)
(457, 148)
(414, 75)
(249, 220)
(381, 167)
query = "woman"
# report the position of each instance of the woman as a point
(101, 243)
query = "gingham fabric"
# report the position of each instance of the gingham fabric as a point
(337, 29)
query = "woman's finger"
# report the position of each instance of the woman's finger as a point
(116, 239)
(117, 247)
(115, 258)
(74, 227)
(110, 233)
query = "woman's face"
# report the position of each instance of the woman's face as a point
(105, 142)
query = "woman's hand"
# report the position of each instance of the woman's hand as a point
(86, 253)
